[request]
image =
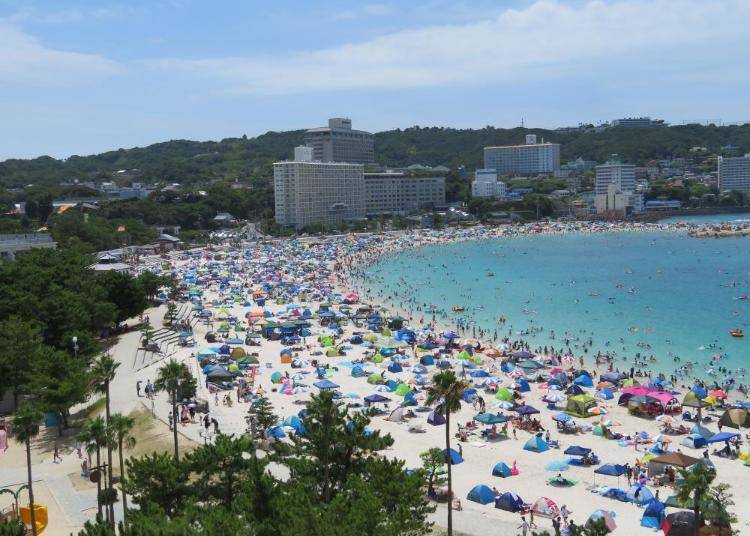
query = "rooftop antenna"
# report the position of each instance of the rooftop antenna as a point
(522, 122)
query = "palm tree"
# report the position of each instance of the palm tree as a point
(693, 488)
(95, 435)
(25, 428)
(446, 391)
(103, 372)
(121, 427)
(171, 377)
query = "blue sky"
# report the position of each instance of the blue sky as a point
(79, 77)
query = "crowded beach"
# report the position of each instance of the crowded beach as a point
(545, 438)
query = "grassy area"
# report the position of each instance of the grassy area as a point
(153, 436)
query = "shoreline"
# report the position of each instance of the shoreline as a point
(350, 275)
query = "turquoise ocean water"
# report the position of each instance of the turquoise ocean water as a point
(661, 294)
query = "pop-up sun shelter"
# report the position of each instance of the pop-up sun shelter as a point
(580, 405)
(481, 494)
(509, 502)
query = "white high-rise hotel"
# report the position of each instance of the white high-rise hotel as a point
(734, 173)
(617, 173)
(530, 159)
(308, 192)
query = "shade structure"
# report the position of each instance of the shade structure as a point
(722, 436)
(326, 384)
(694, 441)
(490, 418)
(526, 410)
(509, 502)
(677, 459)
(501, 470)
(545, 507)
(536, 444)
(504, 394)
(679, 524)
(575, 450)
(639, 494)
(653, 515)
(376, 398)
(435, 418)
(735, 418)
(611, 469)
(481, 494)
(452, 456)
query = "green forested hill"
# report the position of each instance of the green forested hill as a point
(192, 162)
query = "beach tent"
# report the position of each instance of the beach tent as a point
(397, 415)
(237, 353)
(735, 418)
(501, 470)
(395, 367)
(509, 502)
(522, 354)
(522, 386)
(694, 441)
(219, 374)
(611, 469)
(574, 390)
(693, 400)
(452, 456)
(679, 524)
(584, 380)
(580, 405)
(608, 517)
(435, 418)
(402, 389)
(575, 450)
(545, 507)
(701, 430)
(427, 360)
(653, 515)
(481, 494)
(358, 372)
(536, 444)
(504, 394)
(644, 495)
(605, 394)
(373, 379)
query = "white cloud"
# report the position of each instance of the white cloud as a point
(25, 61)
(541, 40)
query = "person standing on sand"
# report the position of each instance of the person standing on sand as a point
(56, 456)
(524, 526)
(3, 438)
(138, 387)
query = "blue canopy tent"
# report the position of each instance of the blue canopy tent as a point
(575, 450)
(501, 470)
(653, 515)
(536, 444)
(605, 394)
(509, 502)
(326, 384)
(490, 418)
(481, 494)
(611, 469)
(376, 398)
(452, 456)
(526, 410)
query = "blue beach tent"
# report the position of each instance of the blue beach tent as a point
(501, 470)
(611, 469)
(536, 444)
(584, 381)
(454, 457)
(509, 502)
(395, 367)
(326, 384)
(435, 418)
(694, 441)
(575, 450)
(653, 515)
(644, 495)
(481, 494)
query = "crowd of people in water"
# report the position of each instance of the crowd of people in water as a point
(404, 296)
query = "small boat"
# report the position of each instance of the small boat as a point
(745, 297)
(458, 309)
(736, 333)
(490, 274)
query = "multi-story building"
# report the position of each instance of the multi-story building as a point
(617, 202)
(734, 173)
(638, 122)
(308, 192)
(617, 173)
(338, 142)
(486, 184)
(530, 159)
(398, 194)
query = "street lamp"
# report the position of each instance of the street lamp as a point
(75, 345)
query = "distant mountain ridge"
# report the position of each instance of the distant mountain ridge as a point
(250, 159)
